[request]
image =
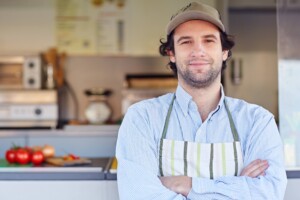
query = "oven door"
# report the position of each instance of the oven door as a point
(11, 72)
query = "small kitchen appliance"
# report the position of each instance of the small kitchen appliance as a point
(28, 108)
(21, 72)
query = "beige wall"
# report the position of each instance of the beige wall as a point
(107, 72)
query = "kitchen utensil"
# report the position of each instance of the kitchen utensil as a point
(98, 111)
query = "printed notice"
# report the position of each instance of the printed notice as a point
(90, 27)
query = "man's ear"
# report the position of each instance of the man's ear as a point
(225, 55)
(171, 56)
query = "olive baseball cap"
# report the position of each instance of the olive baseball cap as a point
(194, 11)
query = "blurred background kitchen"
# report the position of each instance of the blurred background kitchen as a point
(69, 69)
(106, 40)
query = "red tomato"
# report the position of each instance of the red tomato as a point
(37, 158)
(73, 156)
(10, 155)
(29, 150)
(22, 156)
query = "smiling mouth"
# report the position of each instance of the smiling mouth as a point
(198, 64)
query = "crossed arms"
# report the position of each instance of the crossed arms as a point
(137, 167)
(183, 184)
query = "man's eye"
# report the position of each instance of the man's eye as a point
(209, 41)
(185, 42)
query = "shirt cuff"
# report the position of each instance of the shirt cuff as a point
(200, 186)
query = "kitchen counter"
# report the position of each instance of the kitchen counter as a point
(293, 173)
(97, 170)
(94, 171)
(50, 182)
(73, 183)
(68, 183)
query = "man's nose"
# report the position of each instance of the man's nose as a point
(198, 50)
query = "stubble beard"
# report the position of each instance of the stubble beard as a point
(199, 80)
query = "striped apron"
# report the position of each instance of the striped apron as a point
(206, 160)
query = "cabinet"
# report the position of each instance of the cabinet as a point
(67, 190)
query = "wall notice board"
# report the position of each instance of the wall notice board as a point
(90, 27)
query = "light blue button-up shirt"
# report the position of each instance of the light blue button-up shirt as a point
(140, 133)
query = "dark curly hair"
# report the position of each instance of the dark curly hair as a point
(227, 42)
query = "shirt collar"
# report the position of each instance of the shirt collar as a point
(184, 99)
(221, 102)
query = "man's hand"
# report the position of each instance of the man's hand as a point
(255, 168)
(179, 184)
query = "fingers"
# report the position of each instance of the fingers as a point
(255, 168)
(163, 180)
(167, 181)
(260, 169)
(262, 174)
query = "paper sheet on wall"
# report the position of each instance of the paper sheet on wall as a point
(90, 27)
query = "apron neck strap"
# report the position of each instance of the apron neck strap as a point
(232, 126)
(167, 118)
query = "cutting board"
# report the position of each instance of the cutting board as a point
(60, 161)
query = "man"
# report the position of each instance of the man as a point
(198, 143)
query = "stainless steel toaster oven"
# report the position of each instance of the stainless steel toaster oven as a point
(28, 108)
(21, 72)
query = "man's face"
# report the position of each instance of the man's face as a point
(198, 53)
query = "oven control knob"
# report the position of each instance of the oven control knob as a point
(31, 65)
(31, 81)
(38, 111)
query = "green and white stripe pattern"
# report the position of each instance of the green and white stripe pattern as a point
(199, 160)
(207, 160)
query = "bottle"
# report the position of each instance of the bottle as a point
(49, 77)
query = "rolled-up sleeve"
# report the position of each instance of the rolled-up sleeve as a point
(137, 161)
